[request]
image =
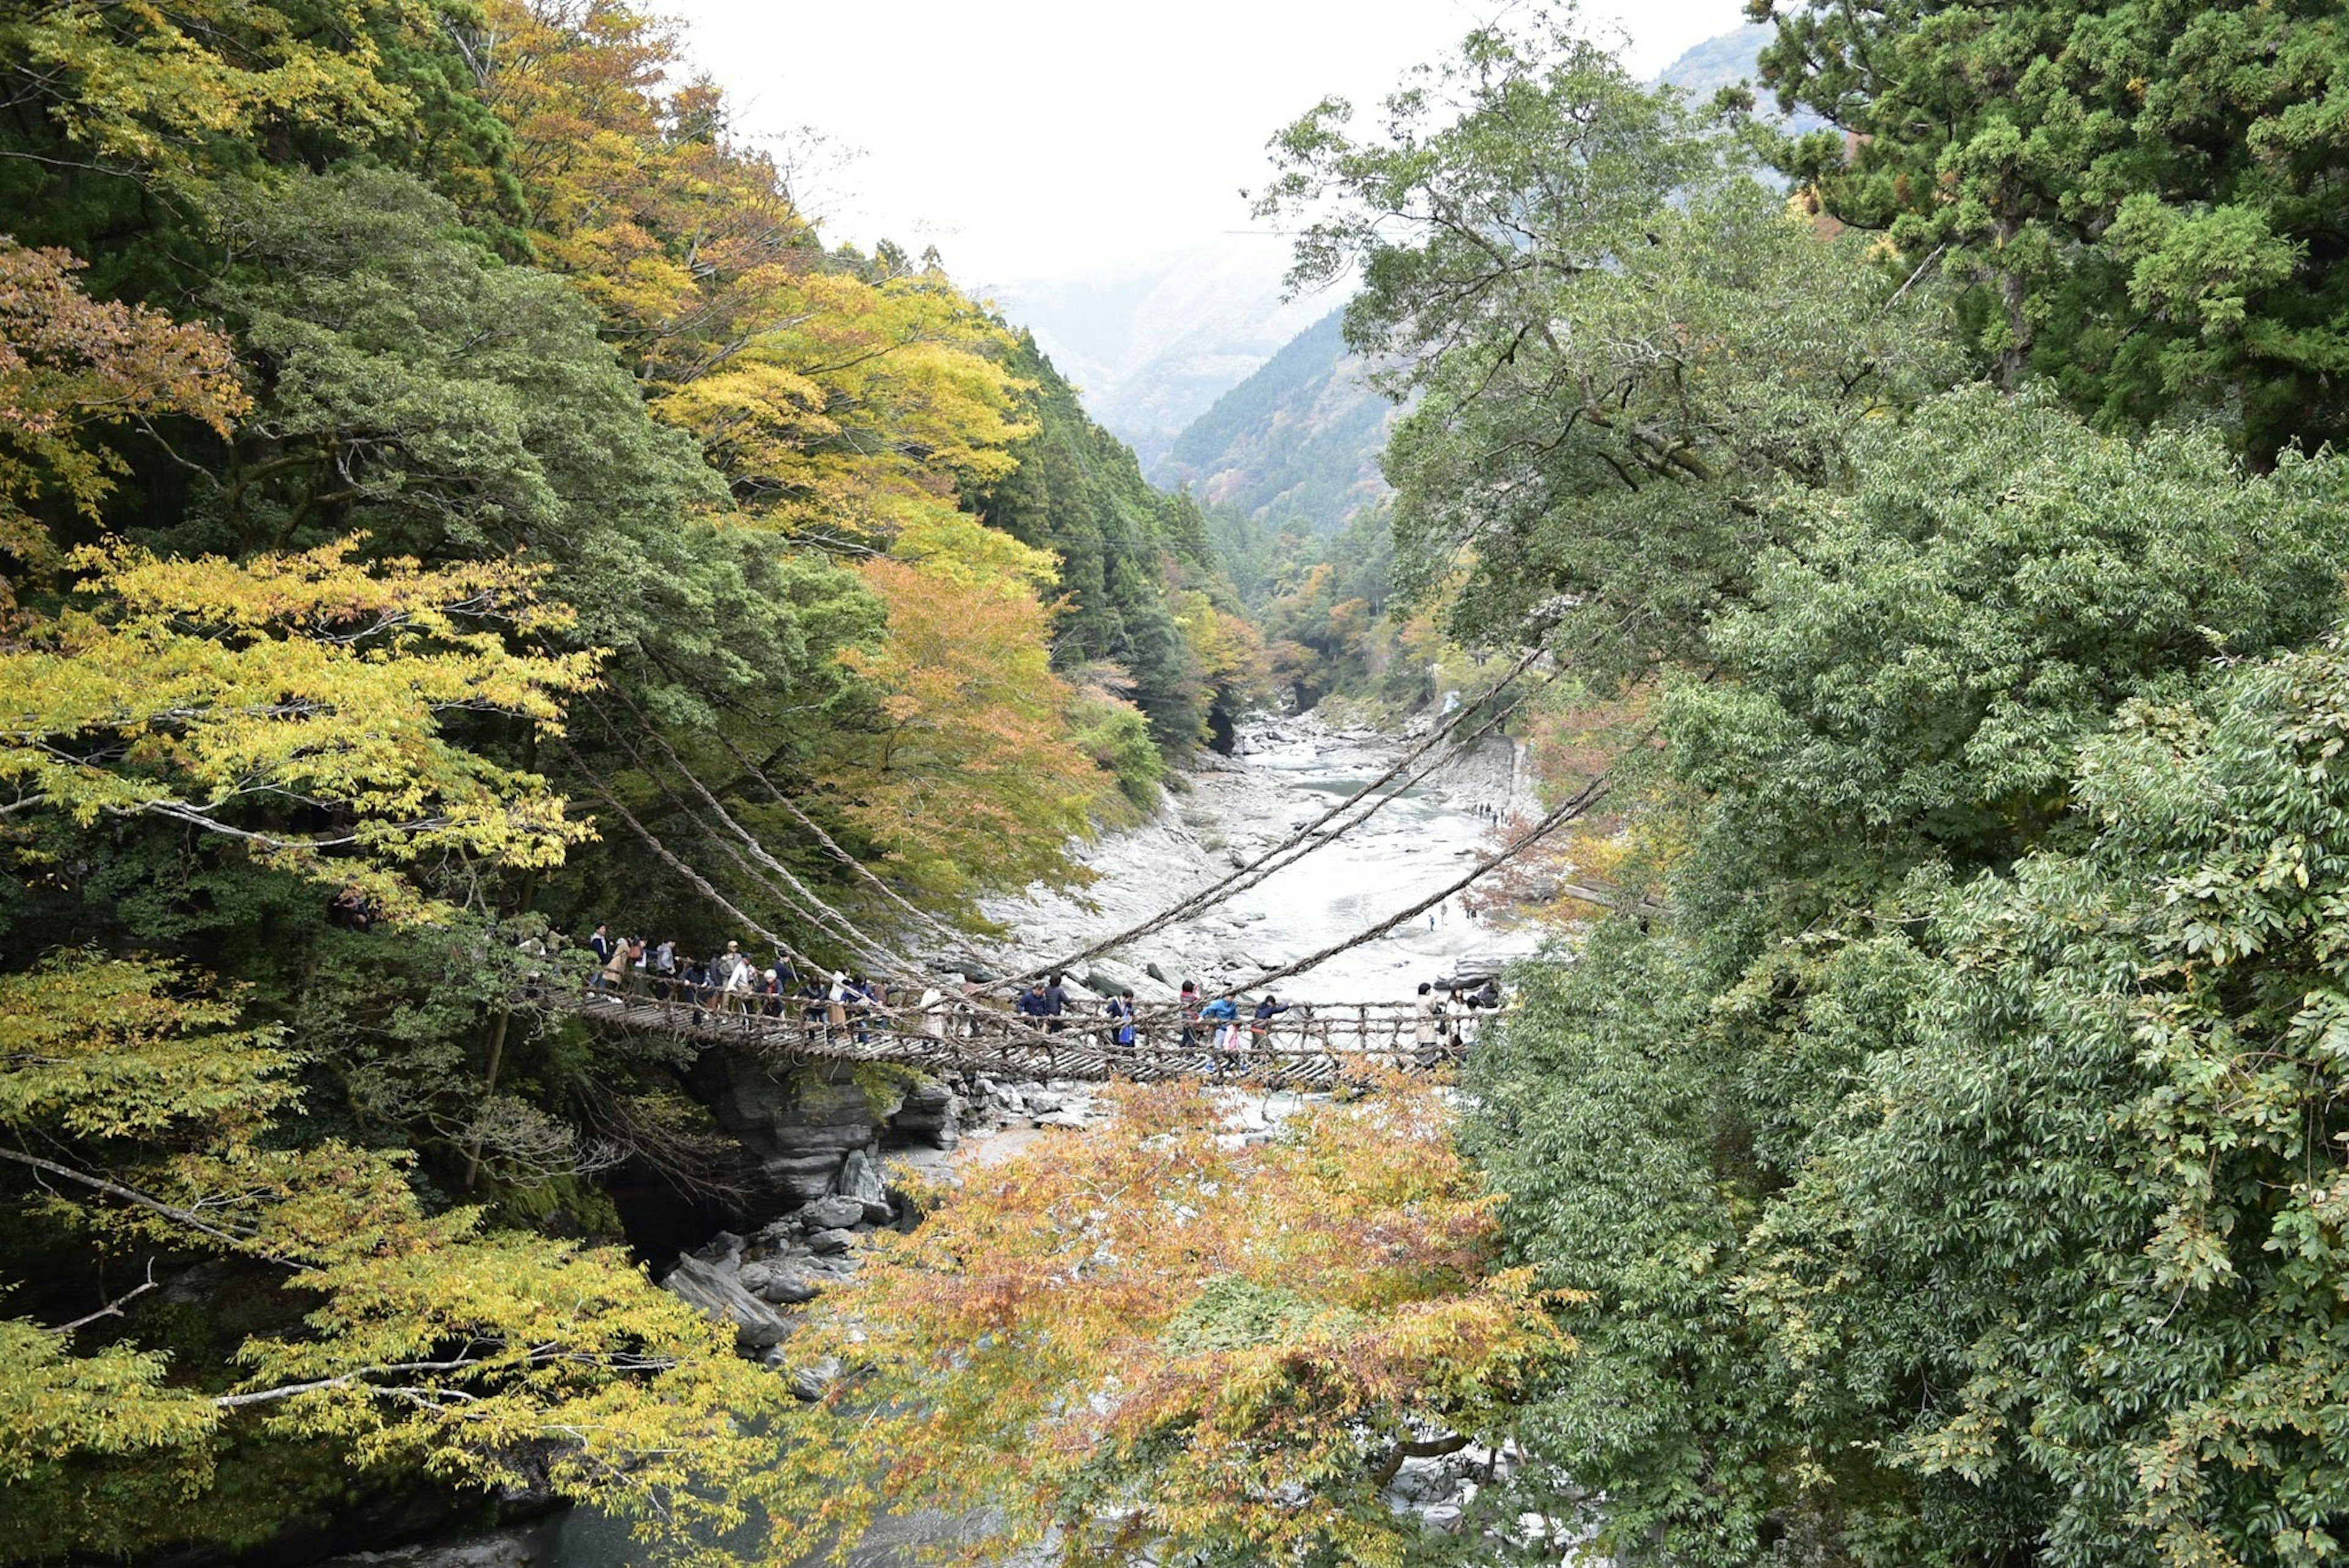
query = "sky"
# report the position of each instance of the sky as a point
(1051, 139)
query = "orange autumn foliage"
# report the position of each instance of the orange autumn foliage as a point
(1158, 1333)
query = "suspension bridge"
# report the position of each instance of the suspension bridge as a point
(1309, 1044)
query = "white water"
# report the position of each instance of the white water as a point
(1289, 773)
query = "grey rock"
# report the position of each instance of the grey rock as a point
(879, 1212)
(1155, 973)
(796, 1126)
(931, 1111)
(527, 1546)
(1442, 1519)
(719, 1296)
(861, 1178)
(1423, 1481)
(836, 1240)
(725, 1250)
(831, 1214)
(812, 1381)
(787, 1287)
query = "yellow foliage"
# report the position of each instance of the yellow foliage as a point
(68, 362)
(150, 85)
(971, 777)
(839, 400)
(146, 1109)
(232, 697)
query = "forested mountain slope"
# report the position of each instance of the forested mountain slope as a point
(1296, 443)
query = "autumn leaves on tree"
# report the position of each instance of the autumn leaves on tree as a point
(421, 428)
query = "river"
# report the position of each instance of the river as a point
(1283, 776)
(1286, 773)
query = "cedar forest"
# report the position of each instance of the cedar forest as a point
(432, 444)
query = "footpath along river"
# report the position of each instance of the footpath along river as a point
(1284, 774)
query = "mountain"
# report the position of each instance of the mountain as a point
(1729, 60)
(1297, 442)
(1153, 344)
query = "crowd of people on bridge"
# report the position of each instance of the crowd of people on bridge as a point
(847, 1004)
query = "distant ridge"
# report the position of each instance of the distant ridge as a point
(1732, 58)
(1297, 442)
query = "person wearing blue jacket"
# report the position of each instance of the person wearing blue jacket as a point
(1223, 1015)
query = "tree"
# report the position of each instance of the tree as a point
(1900, 708)
(968, 774)
(2107, 1151)
(1621, 341)
(152, 1115)
(2138, 198)
(69, 367)
(1154, 1335)
(250, 701)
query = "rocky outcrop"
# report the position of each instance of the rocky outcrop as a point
(804, 1129)
(930, 1113)
(717, 1289)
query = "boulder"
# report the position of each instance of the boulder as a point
(812, 1381)
(860, 1177)
(1155, 973)
(781, 1287)
(831, 1213)
(719, 1296)
(931, 1111)
(798, 1125)
(836, 1240)
(724, 1250)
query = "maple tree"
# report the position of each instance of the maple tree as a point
(1158, 1336)
(968, 773)
(150, 1109)
(71, 366)
(232, 697)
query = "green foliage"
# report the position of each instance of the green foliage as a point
(2142, 200)
(1078, 493)
(1868, 1169)
(1920, 661)
(1618, 338)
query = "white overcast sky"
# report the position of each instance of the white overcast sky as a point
(1054, 138)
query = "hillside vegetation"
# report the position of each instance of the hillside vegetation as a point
(448, 495)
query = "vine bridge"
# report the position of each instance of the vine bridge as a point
(1311, 1043)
